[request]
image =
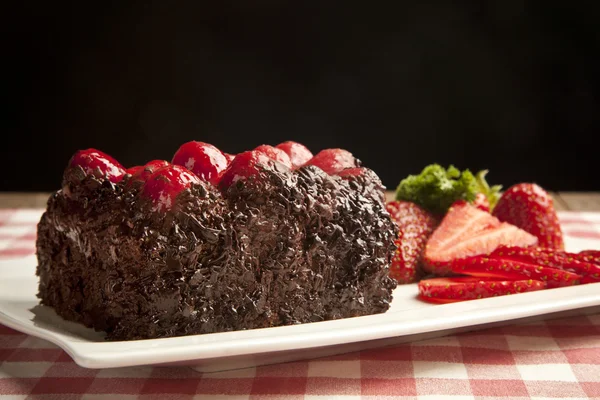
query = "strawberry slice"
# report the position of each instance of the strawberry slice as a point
(550, 258)
(468, 231)
(595, 254)
(486, 267)
(445, 290)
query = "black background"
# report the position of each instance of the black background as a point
(505, 85)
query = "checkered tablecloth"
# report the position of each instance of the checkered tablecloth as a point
(553, 359)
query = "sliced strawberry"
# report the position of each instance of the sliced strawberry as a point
(482, 202)
(414, 227)
(437, 300)
(486, 267)
(593, 253)
(531, 208)
(467, 231)
(442, 290)
(551, 258)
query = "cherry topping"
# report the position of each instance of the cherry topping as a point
(101, 165)
(275, 154)
(133, 170)
(333, 161)
(203, 159)
(298, 153)
(164, 184)
(142, 173)
(351, 172)
(243, 166)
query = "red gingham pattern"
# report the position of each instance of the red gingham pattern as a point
(537, 360)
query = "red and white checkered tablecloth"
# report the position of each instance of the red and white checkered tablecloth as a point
(553, 359)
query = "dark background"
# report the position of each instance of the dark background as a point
(505, 85)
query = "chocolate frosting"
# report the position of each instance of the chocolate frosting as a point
(279, 248)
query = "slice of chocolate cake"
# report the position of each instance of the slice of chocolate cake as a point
(164, 250)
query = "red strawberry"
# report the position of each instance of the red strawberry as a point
(166, 183)
(482, 202)
(299, 154)
(531, 208)
(333, 161)
(485, 267)
(448, 290)
(275, 154)
(243, 166)
(551, 258)
(203, 159)
(101, 165)
(467, 231)
(414, 225)
(593, 253)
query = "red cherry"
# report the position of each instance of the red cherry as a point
(142, 173)
(351, 172)
(243, 166)
(164, 184)
(203, 159)
(229, 157)
(333, 161)
(299, 154)
(133, 170)
(101, 165)
(275, 154)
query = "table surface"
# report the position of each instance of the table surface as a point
(537, 360)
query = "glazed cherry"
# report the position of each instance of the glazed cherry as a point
(203, 159)
(142, 173)
(333, 161)
(298, 153)
(275, 154)
(349, 173)
(243, 166)
(164, 184)
(101, 165)
(229, 157)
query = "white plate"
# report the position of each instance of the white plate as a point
(407, 320)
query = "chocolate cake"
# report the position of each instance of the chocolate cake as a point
(162, 252)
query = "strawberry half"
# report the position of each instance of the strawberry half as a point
(467, 231)
(531, 208)
(414, 227)
(485, 267)
(449, 290)
(550, 258)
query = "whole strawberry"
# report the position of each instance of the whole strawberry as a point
(415, 225)
(531, 208)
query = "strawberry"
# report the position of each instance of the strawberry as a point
(571, 262)
(482, 202)
(448, 290)
(593, 253)
(141, 173)
(531, 208)
(333, 161)
(486, 267)
(467, 231)
(299, 154)
(414, 227)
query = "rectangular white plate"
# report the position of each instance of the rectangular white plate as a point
(407, 320)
